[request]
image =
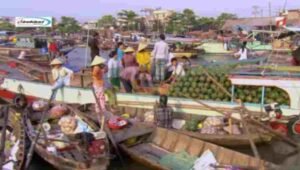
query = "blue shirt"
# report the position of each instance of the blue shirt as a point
(120, 54)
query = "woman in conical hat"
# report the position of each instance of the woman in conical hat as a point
(98, 71)
(143, 56)
(61, 75)
(129, 59)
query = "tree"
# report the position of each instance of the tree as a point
(176, 24)
(221, 19)
(68, 25)
(107, 20)
(5, 25)
(189, 18)
(130, 18)
(206, 23)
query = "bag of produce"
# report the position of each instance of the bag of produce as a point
(39, 105)
(68, 124)
(58, 111)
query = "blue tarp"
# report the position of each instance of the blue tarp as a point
(75, 69)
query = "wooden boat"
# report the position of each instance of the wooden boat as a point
(70, 157)
(228, 140)
(76, 95)
(149, 150)
(16, 130)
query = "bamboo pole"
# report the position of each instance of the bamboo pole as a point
(39, 129)
(104, 126)
(246, 129)
(3, 135)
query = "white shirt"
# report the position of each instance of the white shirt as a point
(169, 65)
(161, 50)
(178, 70)
(243, 55)
(114, 67)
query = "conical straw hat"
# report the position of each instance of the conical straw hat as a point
(56, 61)
(98, 60)
(142, 46)
(129, 50)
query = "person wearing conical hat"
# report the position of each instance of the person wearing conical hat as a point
(61, 75)
(129, 59)
(98, 71)
(143, 56)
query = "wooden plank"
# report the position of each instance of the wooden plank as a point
(182, 144)
(159, 136)
(224, 156)
(170, 140)
(77, 155)
(67, 155)
(196, 147)
(134, 130)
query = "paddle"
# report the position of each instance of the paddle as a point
(104, 126)
(39, 129)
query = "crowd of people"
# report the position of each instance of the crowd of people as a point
(134, 68)
(126, 67)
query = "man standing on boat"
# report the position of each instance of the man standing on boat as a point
(94, 45)
(160, 55)
(163, 114)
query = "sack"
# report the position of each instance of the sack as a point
(39, 105)
(58, 111)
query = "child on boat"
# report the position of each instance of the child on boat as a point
(61, 76)
(242, 52)
(178, 71)
(98, 72)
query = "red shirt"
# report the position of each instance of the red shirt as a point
(53, 47)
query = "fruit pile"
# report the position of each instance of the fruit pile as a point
(197, 85)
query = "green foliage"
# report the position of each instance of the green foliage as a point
(181, 22)
(106, 20)
(130, 17)
(5, 25)
(223, 17)
(68, 25)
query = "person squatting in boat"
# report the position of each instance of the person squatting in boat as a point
(61, 76)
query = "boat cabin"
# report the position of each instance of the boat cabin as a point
(29, 41)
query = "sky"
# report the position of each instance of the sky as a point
(93, 9)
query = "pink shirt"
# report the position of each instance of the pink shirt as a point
(129, 73)
(129, 60)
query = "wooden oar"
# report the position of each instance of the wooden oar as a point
(3, 135)
(39, 129)
(246, 129)
(104, 126)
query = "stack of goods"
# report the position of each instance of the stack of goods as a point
(197, 85)
(212, 125)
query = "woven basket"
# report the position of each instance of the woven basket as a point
(164, 89)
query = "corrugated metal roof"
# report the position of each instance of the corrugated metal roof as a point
(254, 22)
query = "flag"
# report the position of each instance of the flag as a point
(280, 21)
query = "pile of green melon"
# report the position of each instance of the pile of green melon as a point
(197, 85)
